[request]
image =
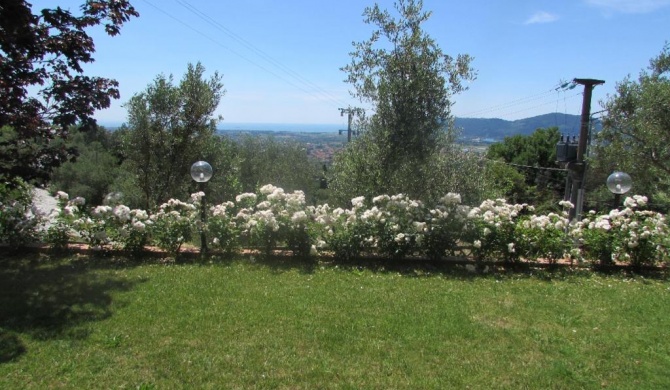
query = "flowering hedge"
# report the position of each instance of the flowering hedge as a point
(19, 218)
(390, 226)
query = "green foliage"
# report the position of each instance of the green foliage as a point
(169, 128)
(445, 227)
(19, 221)
(285, 164)
(60, 232)
(394, 227)
(357, 171)
(409, 81)
(544, 188)
(222, 154)
(346, 232)
(636, 130)
(44, 90)
(92, 174)
(222, 232)
(491, 229)
(173, 225)
(544, 237)
(631, 235)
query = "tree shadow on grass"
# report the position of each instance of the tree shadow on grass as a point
(277, 263)
(52, 298)
(462, 269)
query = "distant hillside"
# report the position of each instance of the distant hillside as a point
(498, 129)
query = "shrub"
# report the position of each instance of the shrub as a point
(19, 219)
(61, 231)
(631, 235)
(445, 227)
(222, 231)
(172, 225)
(543, 236)
(491, 229)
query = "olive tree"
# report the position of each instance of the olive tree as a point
(636, 130)
(410, 82)
(170, 126)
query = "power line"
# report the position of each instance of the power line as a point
(525, 166)
(546, 103)
(562, 86)
(233, 51)
(259, 52)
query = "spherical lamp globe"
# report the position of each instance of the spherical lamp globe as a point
(619, 183)
(201, 171)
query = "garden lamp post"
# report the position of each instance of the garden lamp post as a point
(201, 172)
(619, 183)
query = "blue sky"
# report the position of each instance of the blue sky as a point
(280, 60)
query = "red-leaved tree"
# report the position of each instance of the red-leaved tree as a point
(43, 90)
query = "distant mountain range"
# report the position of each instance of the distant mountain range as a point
(485, 129)
(497, 129)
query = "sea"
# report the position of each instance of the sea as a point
(277, 127)
(281, 127)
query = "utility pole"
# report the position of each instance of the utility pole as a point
(351, 111)
(577, 168)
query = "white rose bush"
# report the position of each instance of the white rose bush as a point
(545, 236)
(173, 225)
(389, 226)
(631, 235)
(491, 227)
(118, 227)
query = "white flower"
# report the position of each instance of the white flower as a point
(299, 217)
(510, 247)
(139, 214)
(247, 195)
(264, 205)
(60, 195)
(451, 199)
(630, 202)
(399, 238)
(358, 201)
(641, 200)
(122, 212)
(420, 227)
(381, 198)
(100, 211)
(296, 199)
(139, 226)
(477, 244)
(277, 194)
(70, 210)
(78, 201)
(197, 197)
(566, 204)
(267, 189)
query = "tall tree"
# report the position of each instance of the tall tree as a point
(169, 128)
(45, 52)
(409, 81)
(636, 129)
(530, 154)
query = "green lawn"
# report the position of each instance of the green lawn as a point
(105, 323)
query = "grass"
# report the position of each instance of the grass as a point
(86, 322)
